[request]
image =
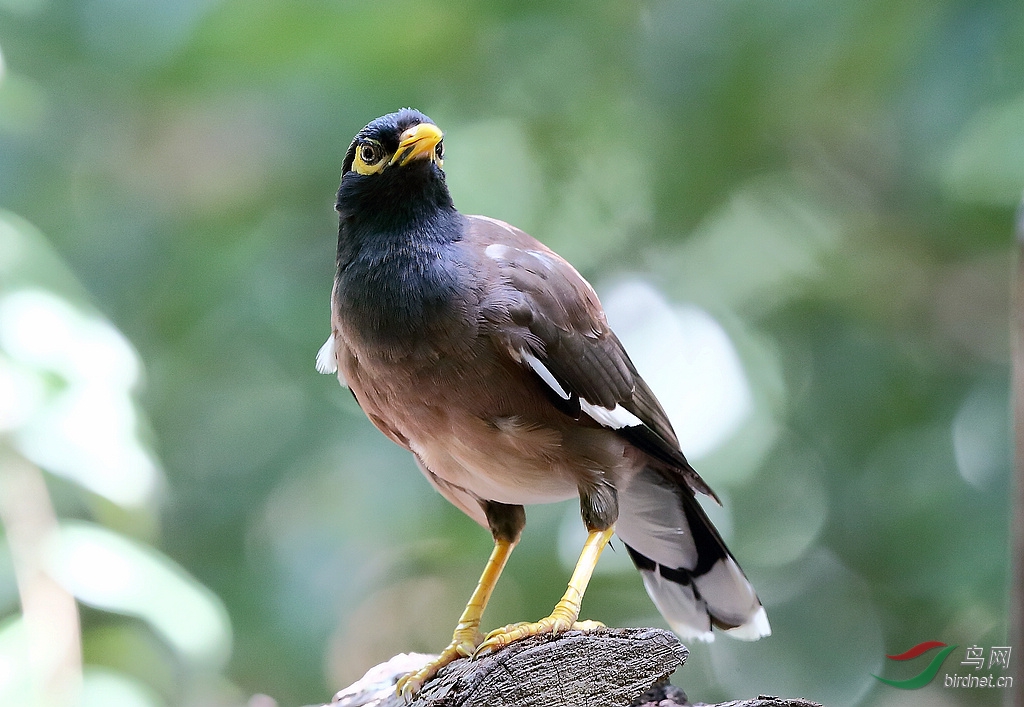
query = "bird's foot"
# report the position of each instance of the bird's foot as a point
(557, 622)
(462, 646)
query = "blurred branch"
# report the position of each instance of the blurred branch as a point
(49, 612)
(608, 667)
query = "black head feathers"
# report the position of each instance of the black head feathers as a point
(385, 130)
(392, 182)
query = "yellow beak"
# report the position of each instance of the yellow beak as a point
(418, 142)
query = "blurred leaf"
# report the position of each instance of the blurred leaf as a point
(104, 688)
(986, 164)
(23, 103)
(110, 572)
(15, 673)
(757, 250)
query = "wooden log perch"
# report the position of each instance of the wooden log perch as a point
(602, 668)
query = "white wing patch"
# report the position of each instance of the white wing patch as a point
(326, 357)
(616, 418)
(496, 251)
(545, 375)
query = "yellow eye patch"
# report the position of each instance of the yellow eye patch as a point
(369, 158)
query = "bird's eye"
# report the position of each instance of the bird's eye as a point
(439, 151)
(369, 157)
(370, 154)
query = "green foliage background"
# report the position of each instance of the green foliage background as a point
(835, 183)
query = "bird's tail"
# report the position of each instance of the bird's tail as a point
(686, 567)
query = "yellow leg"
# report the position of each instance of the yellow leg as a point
(566, 612)
(467, 634)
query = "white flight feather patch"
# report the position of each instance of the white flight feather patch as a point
(326, 358)
(617, 418)
(545, 375)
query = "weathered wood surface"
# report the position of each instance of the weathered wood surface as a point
(665, 695)
(600, 668)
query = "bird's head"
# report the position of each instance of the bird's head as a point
(392, 169)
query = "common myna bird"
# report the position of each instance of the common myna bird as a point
(489, 357)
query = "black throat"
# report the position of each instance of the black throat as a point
(397, 271)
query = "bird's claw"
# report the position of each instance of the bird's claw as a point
(408, 686)
(501, 637)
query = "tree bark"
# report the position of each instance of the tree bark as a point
(600, 668)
